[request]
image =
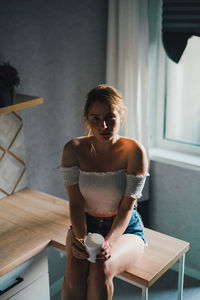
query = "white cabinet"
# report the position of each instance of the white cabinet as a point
(29, 281)
(36, 290)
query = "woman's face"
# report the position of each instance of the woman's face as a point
(104, 121)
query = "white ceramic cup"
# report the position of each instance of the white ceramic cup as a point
(93, 243)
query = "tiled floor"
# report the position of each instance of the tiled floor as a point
(164, 289)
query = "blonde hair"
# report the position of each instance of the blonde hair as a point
(106, 94)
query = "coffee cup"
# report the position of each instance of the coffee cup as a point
(93, 243)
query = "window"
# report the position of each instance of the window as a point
(174, 91)
(182, 97)
(175, 104)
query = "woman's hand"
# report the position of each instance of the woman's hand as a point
(105, 253)
(79, 250)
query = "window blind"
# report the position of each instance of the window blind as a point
(180, 21)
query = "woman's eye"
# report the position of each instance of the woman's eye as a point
(111, 117)
(95, 119)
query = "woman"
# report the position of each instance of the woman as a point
(104, 174)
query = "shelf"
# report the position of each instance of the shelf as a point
(21, 102)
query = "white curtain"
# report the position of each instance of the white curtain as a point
(127, 62)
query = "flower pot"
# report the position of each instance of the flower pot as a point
(7, 95)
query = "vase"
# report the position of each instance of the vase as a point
(7, 95)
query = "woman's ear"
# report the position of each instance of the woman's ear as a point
(122, 119)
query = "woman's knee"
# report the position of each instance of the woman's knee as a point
(108, 268)
(100, 273)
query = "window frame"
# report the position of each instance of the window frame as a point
(161, 149)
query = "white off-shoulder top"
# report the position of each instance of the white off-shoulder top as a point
(102, 191)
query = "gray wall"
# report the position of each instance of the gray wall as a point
(175, 207)
(59, 49)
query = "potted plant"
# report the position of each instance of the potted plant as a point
(9, 80)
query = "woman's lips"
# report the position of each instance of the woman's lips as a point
(105, 133)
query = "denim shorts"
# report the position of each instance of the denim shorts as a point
(103, 225)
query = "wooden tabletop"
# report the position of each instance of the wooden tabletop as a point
(17, 245)
(162, 252)
(30, 220)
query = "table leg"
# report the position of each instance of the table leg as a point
(181, 277)
(144, 293)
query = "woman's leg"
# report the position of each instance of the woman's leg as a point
(125, 252)
(75, 280)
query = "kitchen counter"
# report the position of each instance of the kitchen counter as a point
(30, 221)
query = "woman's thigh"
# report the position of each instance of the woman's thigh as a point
(125, 252)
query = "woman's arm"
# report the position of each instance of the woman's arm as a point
(121, 220)
(137, 165)
(76, 201)
(77, 214)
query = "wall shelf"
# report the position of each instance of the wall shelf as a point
(21, 102)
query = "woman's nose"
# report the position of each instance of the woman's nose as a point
(104, 124)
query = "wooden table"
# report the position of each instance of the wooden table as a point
(18, 245)
(163, 252)
(31, 220)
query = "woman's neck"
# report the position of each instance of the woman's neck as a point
(103, 147)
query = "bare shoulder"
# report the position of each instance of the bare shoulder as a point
(71, 151)
(133, 145)
(137, 162)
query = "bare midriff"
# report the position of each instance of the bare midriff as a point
(101, 215)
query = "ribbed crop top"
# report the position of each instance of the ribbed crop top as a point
(102, 191)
